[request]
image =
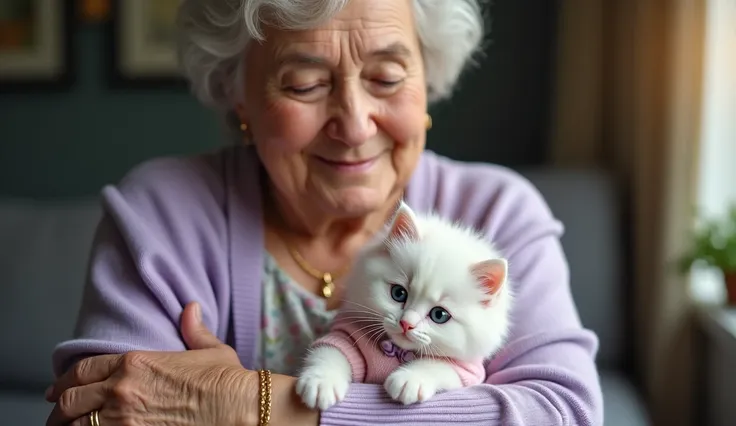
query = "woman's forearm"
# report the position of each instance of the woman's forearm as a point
(523, 404)
(287, 408)
(549, 378)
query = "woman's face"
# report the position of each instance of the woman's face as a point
(338, 113)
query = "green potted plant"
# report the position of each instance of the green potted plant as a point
(714, 244)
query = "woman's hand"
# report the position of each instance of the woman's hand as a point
(203, 386)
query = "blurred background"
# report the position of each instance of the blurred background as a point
(623, 113)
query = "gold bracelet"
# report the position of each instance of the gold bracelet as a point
(264, 388)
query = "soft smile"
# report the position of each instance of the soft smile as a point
(359, 166)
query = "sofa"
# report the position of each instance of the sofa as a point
(44, 247)
(589, 205)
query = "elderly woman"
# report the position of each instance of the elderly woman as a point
(209, 276)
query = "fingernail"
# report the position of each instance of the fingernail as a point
(198, 312)
(49, 391)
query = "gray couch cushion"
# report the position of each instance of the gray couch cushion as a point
(622, 404)
(586, 203)
(18, 409)
(43, 258)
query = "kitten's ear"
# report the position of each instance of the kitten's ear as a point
(403, 225)
(491, 274)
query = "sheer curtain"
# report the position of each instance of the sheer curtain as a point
(628, 98)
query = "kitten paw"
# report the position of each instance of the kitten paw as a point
(322, 388)
(410, 386)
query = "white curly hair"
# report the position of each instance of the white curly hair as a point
(212, 35)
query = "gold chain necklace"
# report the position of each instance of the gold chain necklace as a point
(328, 283)
(328, 279)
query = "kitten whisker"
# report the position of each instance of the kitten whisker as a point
(403, 275)
(375, 333)
(438, 353)
(442, 353)
(360, 308)
(427, 351)
(422, 338)
(374, 338)
(367, 308)
(446, 357)
(368, 335)
(362, 318)
(369, 327)
(361, 311)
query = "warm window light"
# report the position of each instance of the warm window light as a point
(717, 180)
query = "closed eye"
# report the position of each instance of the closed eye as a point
(388, 83)
(307, 89)
(302, 90)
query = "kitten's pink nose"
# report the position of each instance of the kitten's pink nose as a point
(405, 326)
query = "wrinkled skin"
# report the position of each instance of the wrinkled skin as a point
(204, 385)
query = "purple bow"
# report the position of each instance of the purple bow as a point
(390, 349)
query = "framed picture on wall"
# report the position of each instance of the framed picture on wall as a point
(143, 51)
(35, 44)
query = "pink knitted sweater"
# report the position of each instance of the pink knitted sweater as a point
(373, 360)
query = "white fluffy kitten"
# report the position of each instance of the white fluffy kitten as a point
(437, 290)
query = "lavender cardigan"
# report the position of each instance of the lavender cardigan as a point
(177, 230)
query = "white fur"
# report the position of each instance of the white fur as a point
(436, 270)
(325, 378)
(420, 379)
(438, 264)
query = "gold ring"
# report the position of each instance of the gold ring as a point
(94, 418)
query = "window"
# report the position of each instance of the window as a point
(717, 180)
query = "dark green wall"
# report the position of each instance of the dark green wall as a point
(72, 143)
(501, 111)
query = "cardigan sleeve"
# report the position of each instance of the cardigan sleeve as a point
(153, 252)
(546, 373)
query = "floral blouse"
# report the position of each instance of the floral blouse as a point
(292, 318)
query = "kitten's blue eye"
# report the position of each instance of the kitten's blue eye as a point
(439, 315)
(399, 293)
